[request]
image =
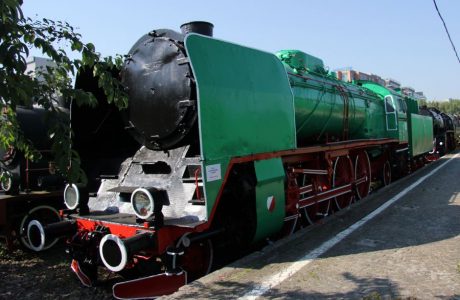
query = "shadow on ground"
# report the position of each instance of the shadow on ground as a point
(366, 288)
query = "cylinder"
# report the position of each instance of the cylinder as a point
(38, 234)
(115, 252)
(59, 229)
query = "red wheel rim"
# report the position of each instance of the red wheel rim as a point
(343, 175)
(197, 259)
(362, 174)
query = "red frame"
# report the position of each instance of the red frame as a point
(167, 235)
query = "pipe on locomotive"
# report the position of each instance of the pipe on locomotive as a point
(39, 234)
(116, 252)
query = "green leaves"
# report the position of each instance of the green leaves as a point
(11, 134)
(113, 88)
(77, 46)
(451, 107)
(17, 35)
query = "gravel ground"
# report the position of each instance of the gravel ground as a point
(47, 275)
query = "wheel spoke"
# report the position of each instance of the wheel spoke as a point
(362, 174)
(386, 174)
(307, 217)
(343, 174)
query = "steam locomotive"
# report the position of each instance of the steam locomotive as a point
(443, 130)
(238, 146)
(32, 190)
(20, 174)
(29, 190)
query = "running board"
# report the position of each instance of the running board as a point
(150, 287)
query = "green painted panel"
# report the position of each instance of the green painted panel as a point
(412, 106)
(403, 132)
(420, 134)
(269, 169)
(245, 105)
(244, 99)
(270, 197)
(374, 126)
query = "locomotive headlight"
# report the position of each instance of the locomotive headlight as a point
(441, 143)
(71, 196)
(6, 181)
(142, 203)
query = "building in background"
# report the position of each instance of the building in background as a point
(392, 84)
(350, 75)
(408, 91)
(35, 65)
(419, 96)
(347, 74)
(377, 79)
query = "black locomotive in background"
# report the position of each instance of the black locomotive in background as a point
(444, 128)
(32, 190)
(29, 189)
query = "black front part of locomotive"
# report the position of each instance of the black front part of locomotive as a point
(162, 110)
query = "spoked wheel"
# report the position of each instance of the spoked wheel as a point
(362, 174)
(306, 219)
(323, 207)
(292, 224)
(197, 260)
(343, 175)
(310, 212)
(45, 214)
(386, 173)
(309, 215)
(315, 211)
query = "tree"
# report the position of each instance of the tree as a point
(17, 35)
(450, 107)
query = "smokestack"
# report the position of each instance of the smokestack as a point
(204, 28)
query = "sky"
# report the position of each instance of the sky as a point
(400, 39)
